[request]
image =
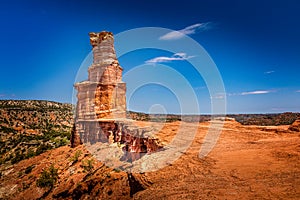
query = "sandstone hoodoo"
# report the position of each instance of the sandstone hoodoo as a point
(101, 105)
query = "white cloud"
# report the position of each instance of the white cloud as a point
(257, 92)
(251, 92)
(298, 91)
(218, 96)
(174, 35)
(269, 72)
(176, 56)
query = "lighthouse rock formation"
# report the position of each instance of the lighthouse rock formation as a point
(101, 106)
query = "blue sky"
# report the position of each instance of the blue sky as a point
(254, 44)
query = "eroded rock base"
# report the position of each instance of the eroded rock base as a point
(132, 140)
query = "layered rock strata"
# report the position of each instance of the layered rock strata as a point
(101, 105)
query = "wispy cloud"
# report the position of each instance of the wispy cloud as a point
(2, 95)
(251, 92)
(269, 72)
(257, 92)
(298, 91)
(174, 57)
(175, 35)
(218, 96)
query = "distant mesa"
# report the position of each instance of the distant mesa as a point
(101, 106)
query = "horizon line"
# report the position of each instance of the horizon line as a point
(186, 114)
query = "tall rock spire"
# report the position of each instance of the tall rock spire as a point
(103, 94)
(101, 106)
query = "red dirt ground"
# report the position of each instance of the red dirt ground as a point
(248, 162)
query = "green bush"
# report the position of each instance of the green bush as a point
(5, 129)
(42, 148)
(88, 165)
(60, 142)
(75, 158)
(30, 153)
(117, 169)
(29, 169)
(47, 178)
(17, 158)
(25, 186)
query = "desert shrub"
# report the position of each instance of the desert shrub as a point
(52, 134)
(60, 142)
(20, 173)
(2, 145)
(63, 142)
(88, 165)
(17, 158)
(117, 169)
(42, 148)
(8, 158)
(25, 186)
(5, 129)
(29, 169)
(30, 153)
(75, 158)
(47, 178)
